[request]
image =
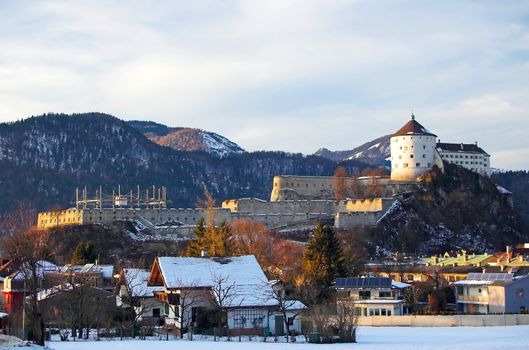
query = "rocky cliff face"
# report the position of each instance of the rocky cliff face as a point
(451, 211)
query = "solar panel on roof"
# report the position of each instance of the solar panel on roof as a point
(490, 276)
(357, 282)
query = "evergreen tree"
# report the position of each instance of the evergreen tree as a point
(84, 253)
(214, 240)
(197, 245)
(323, 259)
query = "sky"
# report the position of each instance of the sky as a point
(278, 75)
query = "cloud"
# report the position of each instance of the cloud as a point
(289, 75)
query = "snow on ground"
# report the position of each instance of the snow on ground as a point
(369, 338)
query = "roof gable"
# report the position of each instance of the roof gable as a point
(413, 127)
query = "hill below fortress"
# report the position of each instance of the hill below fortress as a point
(43, 159)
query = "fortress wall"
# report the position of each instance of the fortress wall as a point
(321, 187)
(50, 219)
(366, 205)
(187, 216)
(258, 206)
(349, 220)
(282, 220)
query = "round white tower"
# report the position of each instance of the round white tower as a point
(412, 151)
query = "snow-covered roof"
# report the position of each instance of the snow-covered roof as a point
(472, 283)
(294, 305)
(136, 282)
(400, 285)
(106, 270)
(379, 301)
(251, 287)
(42, 268)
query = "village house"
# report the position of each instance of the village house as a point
(233, 292)
(373, 296)
(492, 293)
(134, 292)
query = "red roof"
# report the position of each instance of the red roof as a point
(413, 127)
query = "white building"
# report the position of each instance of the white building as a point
(413, 151)
(469, 156)
(492, 293)
(373, 296)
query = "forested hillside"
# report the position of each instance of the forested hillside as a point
(43, 159)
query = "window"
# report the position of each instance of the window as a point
(377, 312)
(389, 312)
(417, 164)
(290, 321)
(411, 155)
(383, 312)
(384, 294)
(424, 155)
(156, 312)
(364, 294)
(405, 165)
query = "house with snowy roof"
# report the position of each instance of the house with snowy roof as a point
(233, 291)
(492, 293)
(134, 292)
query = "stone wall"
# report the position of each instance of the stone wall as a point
(259, 206)
(347, 220)
(445, 321)
(288, 187)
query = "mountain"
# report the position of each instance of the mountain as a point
(43, 159)
(187, 139)
(373, 152)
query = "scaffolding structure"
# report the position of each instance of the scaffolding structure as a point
(152, 198)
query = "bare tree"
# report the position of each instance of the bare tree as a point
(289, 309)
(224, 295)
(29, 248)
(339, 183)
(189, 296)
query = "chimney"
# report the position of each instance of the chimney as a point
(507, 252)
(476, 143)
(462, 146)
(204, 253)
(464, 254)
(502, 267)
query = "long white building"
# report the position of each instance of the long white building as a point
(469, 156)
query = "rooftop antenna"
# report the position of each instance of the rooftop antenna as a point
(412, 115)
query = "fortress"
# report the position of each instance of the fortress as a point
(296, 202)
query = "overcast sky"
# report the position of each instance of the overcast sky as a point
(278, 75)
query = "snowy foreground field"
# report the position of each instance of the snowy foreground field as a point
(369, 338)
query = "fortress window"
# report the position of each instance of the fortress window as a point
(405, 165)
(424, 155)
(424, 147)
(429, 165)
(411, 155)
(417, 164)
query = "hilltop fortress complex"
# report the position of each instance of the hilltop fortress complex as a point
(296, 201)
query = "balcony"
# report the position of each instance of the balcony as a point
(473, 299)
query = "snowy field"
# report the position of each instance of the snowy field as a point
(369, 338)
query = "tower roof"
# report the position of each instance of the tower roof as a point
(413, 127)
